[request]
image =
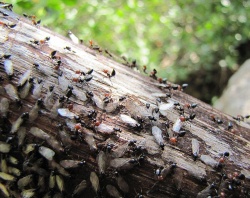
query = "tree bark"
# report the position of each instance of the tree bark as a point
(186, 180)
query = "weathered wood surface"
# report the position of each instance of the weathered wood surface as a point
(189, 177)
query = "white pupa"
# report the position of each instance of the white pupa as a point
(4, 106)
(106, 129)
(128, 120)
(73, 37)
(46, 152)
(177, 125)
(157, 133)
(64, 112)
(22, 80)
(8, 67)
(95, 181)
(164, 108)
(36, 93)
(12, 92)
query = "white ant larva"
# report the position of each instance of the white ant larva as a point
(102, 162)
(39, 133)
(4, 166)
(52, 180)
(36, 93)
(48, 101)
(4, 190)
(73, 37)
(81, 95)
(98, 102)
(89, 138)
(4, 107)
(112, 191)
(4, 147)
(72, 163)
(63, 82)
(43, 70)
(23, 93)
(95, 182)
(16, 125)
(12, 92)
(22, 80)
(65, 137)
(12, 160)
(106, 104)
(28, 148)
(65, 112)
(21, 134)
(28, 193)
(105, 129)
(178, 124)
(60, 182)
(59, 168)
(58, 104)
(123, 163)
(46, 152)
(195, 148)
(128, 120)
(122, 184)
(24, 181)
(8, 67)
(164, 108)
(7, 177)
(80, 187)
(56, 145)
(157, 133)
(208, 160)
(34, 112)
(14, 171)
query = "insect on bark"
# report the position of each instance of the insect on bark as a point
(4, 107)
(113, 192)
(24, 181)
(21, 134)
(12, 92)
(36, 93)
(24, 91)
(46, 152)
(157, 133)
(95, 182)
(16, 125)
(73, 37)
(102, 162)
(65, 112)
(8, 66)
(128, 120)
(34, 112)
(89, 138)
(123, 163)
(195, 148)
(72, 163)
(23, 79)
(80, 188)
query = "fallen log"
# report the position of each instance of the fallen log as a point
(83, 124)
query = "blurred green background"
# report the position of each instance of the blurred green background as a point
(195, 41)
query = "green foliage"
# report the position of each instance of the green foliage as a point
(176, 37)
